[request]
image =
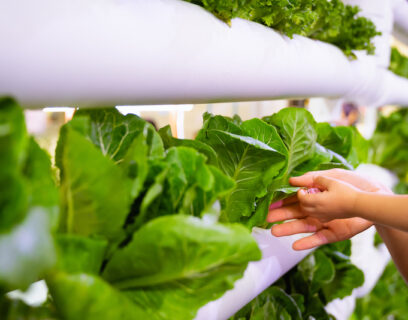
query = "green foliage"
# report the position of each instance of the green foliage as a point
(389, 144)
(324, 275)
(250, 162)
(128, 246)
(261, 155)
(138, 235)
(28, 202)
(18, 310)
(399, 63)
(388, 299)
(328, 21)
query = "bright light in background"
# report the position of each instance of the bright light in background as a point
(34, 296)
(69, 111)
(177, 110)
(155, 108)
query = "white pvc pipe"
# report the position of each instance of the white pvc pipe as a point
(400, 10)
(74, 52)
(278, 257)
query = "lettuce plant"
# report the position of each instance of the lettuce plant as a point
(145, 225)
(328, 21)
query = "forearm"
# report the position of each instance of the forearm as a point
(383, 209)
(396, 242)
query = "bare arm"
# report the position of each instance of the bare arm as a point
(383, 209)
(396, 242)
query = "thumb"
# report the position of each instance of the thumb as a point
(307, 198)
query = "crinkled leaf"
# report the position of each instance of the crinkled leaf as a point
(113, 132)
(169, 141)
(296, 126)
(251, 163)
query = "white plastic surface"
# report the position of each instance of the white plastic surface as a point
(278, 257)
(74, 52)
(400, 9)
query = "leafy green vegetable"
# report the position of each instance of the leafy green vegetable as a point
(303, 292)
(296, 127)
(250, 162)
(137, 232)
(273, 303)
(176, 264)
(399, 63)
(18, 310)
(28, 202)
(127, 207)
(78, 254)
(388, 299)
(83, 296)
(113, 133)
(329, 21)
(169, 141)
(96, 193)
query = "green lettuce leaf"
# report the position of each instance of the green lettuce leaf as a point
(15, 309)
(87, 297)
(176, 264)
(28, 202)
(251, 163)
(297, 128)
(113, 132)
(77, 254)
(95, 190)
(169, 141)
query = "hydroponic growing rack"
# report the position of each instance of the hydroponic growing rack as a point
(111, 52)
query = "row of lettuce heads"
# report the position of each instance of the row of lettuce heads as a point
(136, 224)
(324, 20)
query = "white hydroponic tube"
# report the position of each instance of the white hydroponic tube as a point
(74, 52)
(400, 10)
(278, 257)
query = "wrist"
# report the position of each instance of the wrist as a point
(353, 204)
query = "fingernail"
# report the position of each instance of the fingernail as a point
(276, 205)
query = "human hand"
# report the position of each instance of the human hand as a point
(336, 199)
(335, 230)
(323, 233)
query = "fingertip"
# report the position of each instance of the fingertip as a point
(300, 246)
(274, 231)
(301, 193)
(296, 246)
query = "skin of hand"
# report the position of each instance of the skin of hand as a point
(324, 232)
